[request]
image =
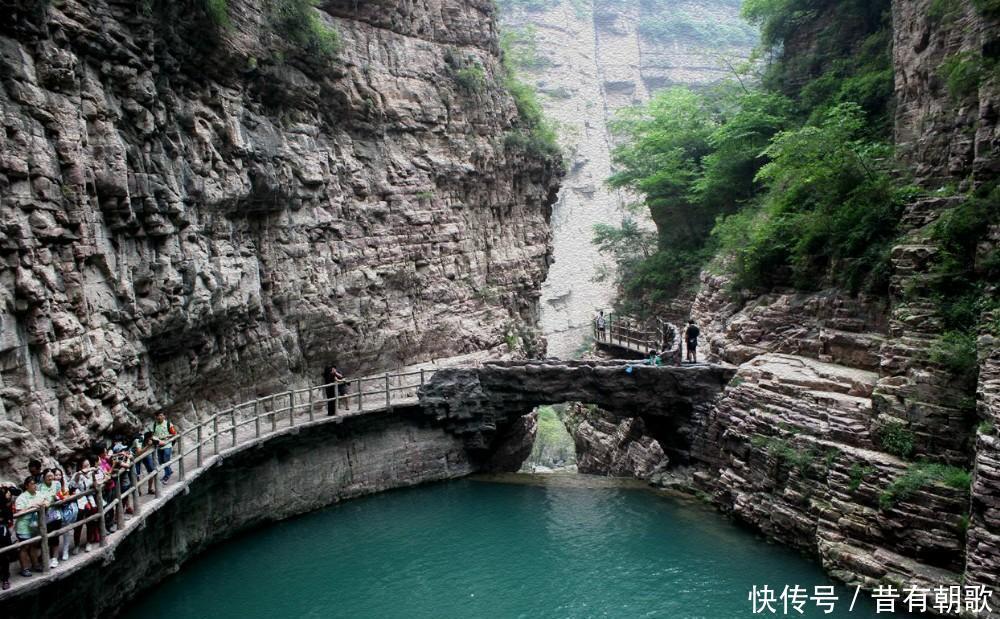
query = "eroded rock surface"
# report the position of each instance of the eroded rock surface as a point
(197, 214)
(606, 445)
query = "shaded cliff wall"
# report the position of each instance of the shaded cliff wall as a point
(590, 58)
(285, 476)
(192, 211)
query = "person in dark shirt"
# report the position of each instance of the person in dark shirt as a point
(7, 496)
(35, 470)
(335, 389)
(691, 337)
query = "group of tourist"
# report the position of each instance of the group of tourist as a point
(67, 494)
(691, 334)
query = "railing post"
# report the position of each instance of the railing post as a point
(136, 507)
(43, 531)
(421, 377)
(312, 409)
(274, 414)
(215, 433)
(102, 526)
(291, 408)
(180, 457)
(336, 398)
(388, 392)
(198, 458)
(156, 473)
(360, 402)
(232, 419)
(120, 507)
(256, 415)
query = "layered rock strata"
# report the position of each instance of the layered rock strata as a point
(983, 549)
(607, 445)
(196, 212)
(789, 450)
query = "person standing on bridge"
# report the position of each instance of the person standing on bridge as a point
(691, 337)
(334, 390)
(602, 326)
(164, 433)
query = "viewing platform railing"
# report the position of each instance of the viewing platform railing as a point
(638, 337)
(227, 429)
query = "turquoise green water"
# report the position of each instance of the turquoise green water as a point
(482, 549)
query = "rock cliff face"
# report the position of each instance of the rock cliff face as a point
(944, 135)
(589, 58)
(607, 445)
(197, 210)
(832, 389)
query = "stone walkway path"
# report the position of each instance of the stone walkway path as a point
(304, 416)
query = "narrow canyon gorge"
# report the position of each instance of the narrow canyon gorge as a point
(203, 207)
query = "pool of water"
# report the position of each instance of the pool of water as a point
(554, 548)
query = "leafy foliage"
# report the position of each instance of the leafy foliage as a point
(553, 443)
(920, 475)
(829, 213)
(956, 351)
(895, 438)
(789, 180)
(963, 72)
(693, 156)
(520, 47)
(471, 78)
(843, 43)
(536, 135)
(857, 475)
(782, 450)
(218, 12)
(299, 22)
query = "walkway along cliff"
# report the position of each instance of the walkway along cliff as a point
(235, 468)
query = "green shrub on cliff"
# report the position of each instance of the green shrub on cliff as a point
(963, 73)
(693, 156)
(786, 453)
(535, 135)
(828, 213)
(857, 475)
(989, 8)
(895, 438)
(298, 21)
(922, 474)
(218, 12)
(789, 179)
(471, 78)
(956, 352)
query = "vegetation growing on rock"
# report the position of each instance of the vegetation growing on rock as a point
(922, 474)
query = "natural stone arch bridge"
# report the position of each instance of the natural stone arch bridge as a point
(481, 403)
